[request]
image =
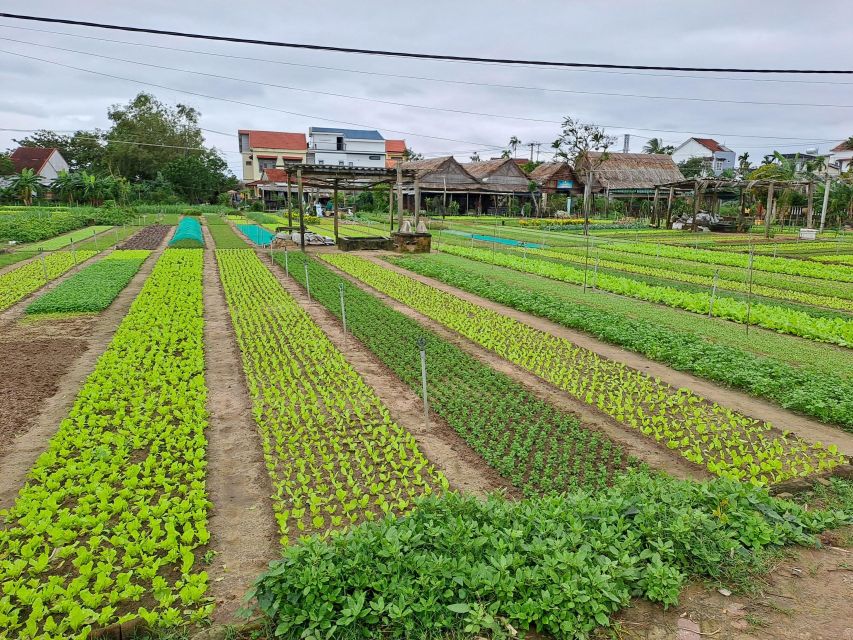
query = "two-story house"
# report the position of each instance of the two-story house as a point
(269, 149)
(842, 155)
(346, 147)
(395, 152)
(718, 158)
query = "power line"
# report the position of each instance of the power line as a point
(480, 114)
(429, 108)
(425, 78)
(406, 54)
(240, 102)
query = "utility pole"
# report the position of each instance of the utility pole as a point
(531, 145)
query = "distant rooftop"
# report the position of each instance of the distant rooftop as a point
(351, 134)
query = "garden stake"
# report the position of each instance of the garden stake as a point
(343, 307)
(713, 294)
(749, 297)
(307, 281)
(422, 347)
(286, 266)
(43, 266)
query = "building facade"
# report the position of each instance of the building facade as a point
(395, 152)
(841, 156)
(718, 158)
(269, 149)
(346, 147)
(45, 163)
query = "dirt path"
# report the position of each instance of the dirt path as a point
(808, 595)
(464, 468)
(634, 443)
(42, 397)
(786, 420)
(244, 533)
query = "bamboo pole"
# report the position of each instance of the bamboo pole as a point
(301, 209)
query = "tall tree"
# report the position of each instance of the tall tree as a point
(7, 167)
(656, 145)
(82, 150)
(410, 154)
(199, 177)
(576, 143)
(475, 157)
(147, 135)
(692, 167)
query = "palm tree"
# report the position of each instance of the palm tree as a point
(475, 157)
(656, 145)
(513, 144)
(65, 185)
(25, 185)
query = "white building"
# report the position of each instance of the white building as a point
(842, 156)
(45, 163)
(345, 147)
(717, 157)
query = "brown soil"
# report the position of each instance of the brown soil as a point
(37, 412)
(149, 237)
(632, 442)
(747, 405)
(808, 595)
(464, 468)
(244, 533)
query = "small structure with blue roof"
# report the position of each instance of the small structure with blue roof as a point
(333, 146)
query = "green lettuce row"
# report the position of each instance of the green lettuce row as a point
(790, 266)
(776, 318)
(825, 397)
(772, 285)
(17, 284)
(94, 288)
(727, 443)
(334, 454)
(114, 514)
(531, 443)
(560, 565)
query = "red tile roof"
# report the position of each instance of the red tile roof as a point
(275, 139)
(395, 146)
(30, 158)
(275, 175)
(847, 145)
(709, 144)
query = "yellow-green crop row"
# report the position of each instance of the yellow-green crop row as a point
(777, 318)
(830, 302)
(17, 284)
(115, 510)
(333, 452)
(790, 266)
(727, 443)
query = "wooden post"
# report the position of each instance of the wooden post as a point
(289, 209)
(399, 197)
(669, 200)
(826, 187)
(390, 208)
(768, 215)
(810, 210)
(301, 209)
(335, 208)
(655, 217)
(417, 202)
(697, 200)
(742, 210)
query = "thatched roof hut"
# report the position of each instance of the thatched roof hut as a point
(440, 174)
(630, 171)
(555, 176)
(502, 175)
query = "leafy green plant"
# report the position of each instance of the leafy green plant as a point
(560, 565)
(116, 507)
(17, 284)
(727, 443)
(94, 288)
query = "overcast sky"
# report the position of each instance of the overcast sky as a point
(36, 94)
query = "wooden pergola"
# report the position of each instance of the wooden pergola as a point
(711, 188)
(337, 177)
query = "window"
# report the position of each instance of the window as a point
(375, 157)
(249, 163)
(341, 162)
(718, 165)
(350, 164)
(340, 143)
(321, 162)
(266, 163)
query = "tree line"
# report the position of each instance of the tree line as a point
(151, 153)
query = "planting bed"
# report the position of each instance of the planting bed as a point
(150, 237)
(812, 378)
(94, 288)
(17, 284)
(108, 526)
(333, 452)
(835, 330)
(725, 442)
(537, 447)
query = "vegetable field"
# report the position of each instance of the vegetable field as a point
(495, 438)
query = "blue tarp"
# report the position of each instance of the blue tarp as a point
(256, 234)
